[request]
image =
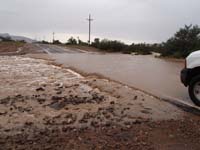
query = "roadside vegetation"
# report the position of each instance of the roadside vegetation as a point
(185, 41)
(182, 43)
(118, 46)
(8, 45)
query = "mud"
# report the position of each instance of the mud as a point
(43, 106)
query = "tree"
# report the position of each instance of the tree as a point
(44, 42)
(109, 45)
(72, 41)
(96, 42)
(80, 42)
(185, 41)
(56, 42)
(141, 48)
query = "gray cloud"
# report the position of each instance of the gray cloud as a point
(128, 20)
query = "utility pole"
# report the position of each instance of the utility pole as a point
(89, 20)
(53, 37)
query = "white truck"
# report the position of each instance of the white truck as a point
(190, 76)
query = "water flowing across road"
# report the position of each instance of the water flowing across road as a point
(157, 76)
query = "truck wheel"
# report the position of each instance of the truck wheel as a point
(194, 90)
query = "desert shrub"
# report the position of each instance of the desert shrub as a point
(56, 42)
(185, 41)
(109, 45)
(72, 41)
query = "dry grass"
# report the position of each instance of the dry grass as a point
(10, 46)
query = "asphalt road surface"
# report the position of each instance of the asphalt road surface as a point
(156, 76)
(54, 49)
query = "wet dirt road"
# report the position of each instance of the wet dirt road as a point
(156, 76)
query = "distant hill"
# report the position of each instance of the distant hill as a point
(16, 38)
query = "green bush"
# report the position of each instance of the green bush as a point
(185, 41)
(109, 45)
(117, 46)
(56, 42)
(72, 41)
(142, 48)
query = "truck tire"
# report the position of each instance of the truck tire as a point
(194, 90)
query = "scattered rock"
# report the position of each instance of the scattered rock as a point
(145, 112)
(94, 124)
(40, 89)
(171, 136)
(112, 102)
(86, 117)
(56, 98)
(5, 101)
(136, 121)
(59, 92)
(62, 119)
(28, 123)
(3, 112)
(41, 100)
(135, 98)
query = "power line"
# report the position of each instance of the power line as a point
(89, 20)
(53, 37)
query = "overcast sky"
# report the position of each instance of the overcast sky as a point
(125, 20)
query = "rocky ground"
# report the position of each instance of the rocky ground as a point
(43, 106)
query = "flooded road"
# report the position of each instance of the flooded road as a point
(157, 76)
(153, 75)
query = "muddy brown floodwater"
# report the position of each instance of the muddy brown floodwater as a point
(157, 76)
